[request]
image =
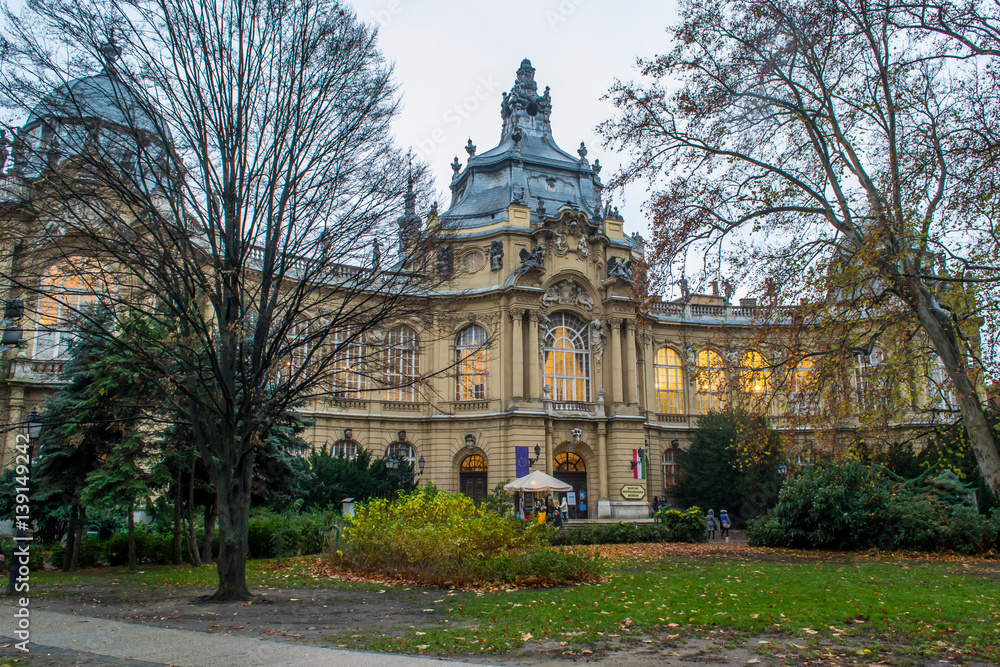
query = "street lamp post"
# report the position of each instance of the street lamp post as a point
(32, 429)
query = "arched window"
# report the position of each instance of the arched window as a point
(474, 463)
(567, 358)
(402, 364)
(802, 376)
(472, 364)
(348, 363)
(671, 468)
(402, 451)
(347, 449)
(296, 352)
(68, 288)
(669, 383)
(940, 390)
(755, 381)
(711, 382)
(866, 371)
(754, 375)
(569, 462)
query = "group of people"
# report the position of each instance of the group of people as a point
(549, 512)
(723, 523)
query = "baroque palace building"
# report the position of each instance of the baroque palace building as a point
(550, 368)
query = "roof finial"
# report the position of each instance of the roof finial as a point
(470, 148)
(110, 51)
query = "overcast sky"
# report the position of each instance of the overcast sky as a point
(454, 59)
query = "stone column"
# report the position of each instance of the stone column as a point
(649, 373)
(533, 361)
(15, 417)
(548, 447)
(517, 358)
(631, 388)
(604, 500)
(615, 334)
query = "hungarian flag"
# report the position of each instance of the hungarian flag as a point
(639, 464)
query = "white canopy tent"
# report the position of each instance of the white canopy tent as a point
(536, 482)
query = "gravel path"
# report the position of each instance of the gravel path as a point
(118, 643)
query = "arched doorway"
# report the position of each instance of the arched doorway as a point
(570, 468)
(472, 477)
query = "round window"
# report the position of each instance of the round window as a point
(474, 261)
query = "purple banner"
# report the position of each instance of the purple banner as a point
(521, 465)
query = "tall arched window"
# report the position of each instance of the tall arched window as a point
(347, 449)
(68, 288)
(671, 468)
(567, 358)
(348, 363)
(755, 381)
(669, 383)
(802, 376)
(296, 353)
(402, 451)
(472, 364)
(402, 364)
(940, 390)
(866, 372)
(711, 382)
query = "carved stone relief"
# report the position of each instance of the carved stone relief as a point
(569, 293)
(598, 341)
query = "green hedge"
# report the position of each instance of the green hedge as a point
(35, 555)
(274, 535)
(855, 506)
(672, 526)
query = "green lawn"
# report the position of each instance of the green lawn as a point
(924, 607)
(911, 606)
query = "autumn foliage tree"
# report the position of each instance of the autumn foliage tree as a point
(820, 151)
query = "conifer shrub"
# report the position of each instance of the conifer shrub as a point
(851, 505)
(441, 538)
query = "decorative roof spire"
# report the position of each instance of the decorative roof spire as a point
(523, 103)
(110, 52)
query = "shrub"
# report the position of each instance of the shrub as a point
(36, 558)
(273, 535)
(854, 506)
(149, 548)
(673, 526)
(92, 552)
(441, 538)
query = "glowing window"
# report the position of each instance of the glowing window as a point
(669, 383)
(68, 289)
(472, 364)
(711, 382)
(402, 365)
(567, 358)
(348, 363)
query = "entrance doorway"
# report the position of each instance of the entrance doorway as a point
(472, 477)
(570, 468)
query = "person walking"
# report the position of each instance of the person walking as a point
(564, 509)
(725, 523)
(710, 524)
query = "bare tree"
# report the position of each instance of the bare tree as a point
(230, 172)
(812, 148)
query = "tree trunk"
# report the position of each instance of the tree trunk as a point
(192, 539)
(178, 554)
(133, 563)
(233, 491)
(80, 529)
(74, 518)
(211, 512)
(937, 325)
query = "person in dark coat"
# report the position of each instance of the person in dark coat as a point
(725, 523)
